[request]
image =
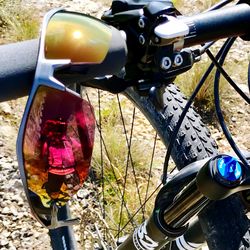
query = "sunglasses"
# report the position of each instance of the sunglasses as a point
(56, 135)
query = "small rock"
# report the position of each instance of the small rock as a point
(4, 242)
(5, 234)
(13, 210)
(15, 235)
(18, 184)
(16, 198)
(83, 193)
(233, 119)
(244, 88)
(85, 205)
(241, 111)
(11, 248)
(27, 234)
(6, 210)
(5, 107)
(37, 235)
(7, 166)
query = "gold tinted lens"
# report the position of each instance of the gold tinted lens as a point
(80, 38)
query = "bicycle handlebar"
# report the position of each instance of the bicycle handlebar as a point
(217, 24)
(18, 61)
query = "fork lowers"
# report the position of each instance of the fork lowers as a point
(184, 196)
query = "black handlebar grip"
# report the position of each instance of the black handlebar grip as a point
(17, 68)
(217, 24)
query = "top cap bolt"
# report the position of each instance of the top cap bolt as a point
(229, 168)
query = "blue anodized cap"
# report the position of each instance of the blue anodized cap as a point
(229, 168)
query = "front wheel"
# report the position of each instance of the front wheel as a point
(130, 146)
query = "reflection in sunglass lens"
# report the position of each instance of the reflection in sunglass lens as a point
(57, 145)
(80, 38)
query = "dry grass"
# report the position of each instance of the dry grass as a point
(198, 5)
(205, 97)
(235, 66)
(17, 23)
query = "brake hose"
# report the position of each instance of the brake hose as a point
(184, 112)
(224, 73)
(220, 71)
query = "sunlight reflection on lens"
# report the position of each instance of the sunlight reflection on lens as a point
(77, 34)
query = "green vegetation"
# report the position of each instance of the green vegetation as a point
(236, 68)
(17, 23)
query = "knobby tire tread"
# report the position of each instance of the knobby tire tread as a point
(193, 142)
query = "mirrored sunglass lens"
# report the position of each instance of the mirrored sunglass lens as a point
(80, 38)
(58, 143)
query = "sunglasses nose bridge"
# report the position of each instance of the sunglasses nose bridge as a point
(45, 71)
(55, 223)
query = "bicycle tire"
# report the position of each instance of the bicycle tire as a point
(193, 142)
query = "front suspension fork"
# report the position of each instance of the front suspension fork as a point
(184, 196)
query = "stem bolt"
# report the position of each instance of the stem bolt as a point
(178, 60)
(141, 39)
(166, 63)
(156, 39)
(141, 23)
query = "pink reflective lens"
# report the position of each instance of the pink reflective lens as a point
(58, 143)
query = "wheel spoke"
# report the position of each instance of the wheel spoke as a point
(151, 165)
(127, 164)
(112, 169)
(138, 210)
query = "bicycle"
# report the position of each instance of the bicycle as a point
(148, 96)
